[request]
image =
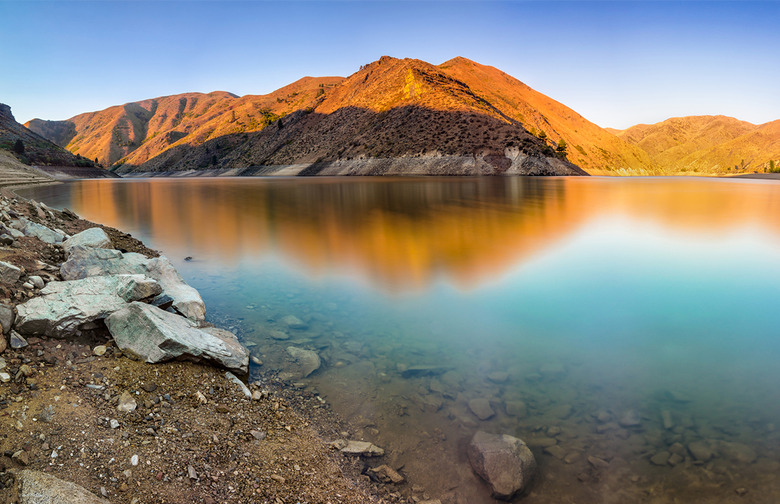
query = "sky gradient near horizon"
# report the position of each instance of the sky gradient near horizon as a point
(616, 63)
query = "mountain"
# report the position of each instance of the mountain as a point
(31, 148)
(392, 116)
(138, 131)
(707, 144)
(590, 146)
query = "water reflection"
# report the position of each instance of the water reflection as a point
(405, 234)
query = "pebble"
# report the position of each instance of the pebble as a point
(674, 459)
(5, 377)
(191, 473)
(256, 360)
(134, 460)
(114, 423)
(16, 340)
(700, 450)
(278, 335)
(127, 403)
(556, 451)
(259, 435)
(26, 370)
(149, 387)
(498, 376)
(36, 281)
(99, 350)
(28, 285)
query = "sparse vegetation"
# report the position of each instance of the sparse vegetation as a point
(562, 146)
(19, 146)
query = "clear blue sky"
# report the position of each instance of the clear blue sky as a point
(616, 63)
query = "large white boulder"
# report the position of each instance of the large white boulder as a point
(93, 237)
(63, 306)
(155, 335)
(86, 262)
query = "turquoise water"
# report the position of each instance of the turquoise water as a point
(632, 320)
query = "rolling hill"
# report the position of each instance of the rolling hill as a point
(707, 144)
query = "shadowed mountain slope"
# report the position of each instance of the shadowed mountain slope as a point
(31, 148)
(590, 146)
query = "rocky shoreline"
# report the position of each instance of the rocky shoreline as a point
(86, 417)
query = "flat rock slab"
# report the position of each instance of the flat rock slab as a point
(481, 408)
(86, 262)
(154, 335)
(35, 487)
(30, 228)
(63, 306)
(93, 237)
(503, 461)
(352, 447)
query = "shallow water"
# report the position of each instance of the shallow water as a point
(570, 304)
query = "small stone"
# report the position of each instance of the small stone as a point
(36, 281)
(278, 335)
(259, 435)
(26, 370)
(498, 376)
(256, 360)
(666, 418)
(700, 450)
(9, 273)
(16, 340)
(5, 377)
(278, 478)
(556, 451)
(257, 395)
(660, 458)
(200, 397)
(114, 423)
(481, 408)
(603, 416)
(352, 447)
(149, 387)
(674, 459)
(28, 285)
(516, 409)
(99, 350)
(191, 473)
(598, 463)
(134, 460)
(630, 418)
(386, 474)
(127, 403)
(21, 457)
(741, 491)
(294, 322)
(307, 359)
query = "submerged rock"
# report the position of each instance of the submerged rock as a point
(35, 487)
(63, 306)
(387, 474)
(481, 408)
(307, 359)
(154, 335)
(294, 322)
(503, 461)
(93, 237)
(86, 262)
(630, 418)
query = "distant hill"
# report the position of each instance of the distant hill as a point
(707, 144)
(31, 148)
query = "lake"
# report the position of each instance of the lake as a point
(626, 328)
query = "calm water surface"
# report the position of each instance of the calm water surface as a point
(633, 320)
